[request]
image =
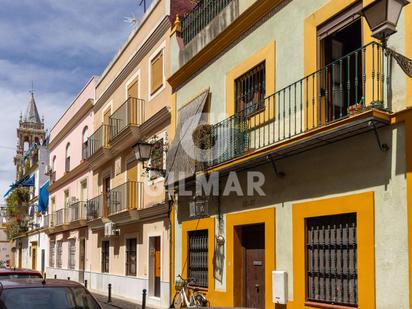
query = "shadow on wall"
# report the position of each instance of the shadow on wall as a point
(346, 166)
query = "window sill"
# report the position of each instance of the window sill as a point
(328, 306)
(201, 289)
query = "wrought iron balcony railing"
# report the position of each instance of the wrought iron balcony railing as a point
(349, 85)
(125, 196)
(128, 114)
(97, 140)
(49, 220)
(200, 16)
(94, 208)
(61, 217)
(77, 211)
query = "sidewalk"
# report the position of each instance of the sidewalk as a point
(115, 303)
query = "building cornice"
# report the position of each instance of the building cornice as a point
(222, 41)
(77, 171)
(72, 123)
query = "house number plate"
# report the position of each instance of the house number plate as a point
(257, 263)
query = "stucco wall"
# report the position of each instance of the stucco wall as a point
(347, 167)
(286, 28)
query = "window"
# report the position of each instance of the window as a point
(52, 253)
(340, 57)
(53, 170)
(156, 71)
(72, 253)
(250, 90)
(331, 259)
(105, 256)
(67, 158)
(59, 254)
(85, 136)
(198, 257)
(131, 256)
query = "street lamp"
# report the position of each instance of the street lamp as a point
(382, 17)
(142, 151)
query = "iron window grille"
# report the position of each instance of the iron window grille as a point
(105, 256)
(131, 256)
(198, 257)
(72, 254)
(59, 254)
(331, 259)
(250, 90)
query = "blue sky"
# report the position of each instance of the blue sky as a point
(59, 44)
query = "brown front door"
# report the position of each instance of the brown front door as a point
(154, 266)
(253, 243)
(82, 259)
(34, 255)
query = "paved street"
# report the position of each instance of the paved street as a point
(116, 302)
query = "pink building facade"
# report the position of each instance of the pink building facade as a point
(70, 187)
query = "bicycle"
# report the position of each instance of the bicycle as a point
(180, 299)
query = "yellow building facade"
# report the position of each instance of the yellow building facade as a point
(304, 122)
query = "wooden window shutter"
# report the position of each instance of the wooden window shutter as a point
(132, 90)
(157, 72)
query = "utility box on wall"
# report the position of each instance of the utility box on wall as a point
(280, 287)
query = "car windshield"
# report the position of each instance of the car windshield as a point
(19, 276)
(47, 297)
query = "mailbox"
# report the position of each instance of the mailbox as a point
(280, 287)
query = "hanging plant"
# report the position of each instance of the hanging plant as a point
(202, 136)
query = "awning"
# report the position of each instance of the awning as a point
(44, 198)
(180, 163)
(28, 182)
(15, 185)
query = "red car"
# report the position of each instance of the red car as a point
(49, 293)
(14, 273)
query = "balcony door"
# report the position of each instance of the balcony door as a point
(132, 184)
(340, 63)
(132, 96)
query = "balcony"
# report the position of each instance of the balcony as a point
(77, 212)
(200, 16)
(124, 202)
(97, 141)
(124, 197)
(347, 97)
(61, 217)
(94, 208)
(49, 220)
(129, 114)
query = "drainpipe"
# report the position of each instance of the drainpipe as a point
(171, 201)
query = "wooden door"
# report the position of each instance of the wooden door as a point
(34, 255)
(82, 259)
(154, 266)
(20, 256)
(253, 241)
(132, 96)
(132, 183)
(157, 266)
(106, 128)
(106, 191)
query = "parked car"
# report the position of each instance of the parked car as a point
(49, 293)
(14, 273)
